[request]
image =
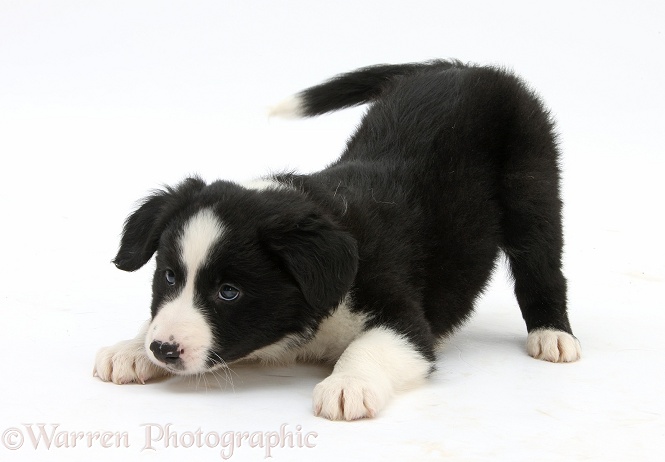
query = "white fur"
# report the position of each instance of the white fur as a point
(332, 337)
(281, 352)
(261, 184)
(290, 108)
(200, 234)
(126, 362)
(553, 345)
(373, 367)
(179, 320)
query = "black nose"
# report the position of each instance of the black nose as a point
(168, 353)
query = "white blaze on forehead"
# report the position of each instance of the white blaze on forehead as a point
(179, 320)
(200, 234)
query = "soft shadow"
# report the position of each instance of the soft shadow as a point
(244, 378)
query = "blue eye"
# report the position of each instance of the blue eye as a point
(228, 293)
(170, 277)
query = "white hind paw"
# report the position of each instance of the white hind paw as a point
(553, 345)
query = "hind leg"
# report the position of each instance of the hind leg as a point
(533, 243)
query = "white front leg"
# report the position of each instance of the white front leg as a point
(371, 369)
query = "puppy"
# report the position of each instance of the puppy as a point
(370, 262)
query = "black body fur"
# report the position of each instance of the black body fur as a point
(451, 164)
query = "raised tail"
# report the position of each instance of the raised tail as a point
(351, 89)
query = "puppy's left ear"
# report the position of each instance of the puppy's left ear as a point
(322, 258)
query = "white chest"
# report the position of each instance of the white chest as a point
(334, 335)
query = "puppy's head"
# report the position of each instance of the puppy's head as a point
(236, 270)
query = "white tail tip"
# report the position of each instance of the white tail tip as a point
(290, 108)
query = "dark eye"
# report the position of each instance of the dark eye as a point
(170, 277)
(228, 293)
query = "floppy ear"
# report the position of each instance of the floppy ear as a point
(322, 258)
(144, 227)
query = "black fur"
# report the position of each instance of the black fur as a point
(450, 164)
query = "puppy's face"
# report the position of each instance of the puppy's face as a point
(218, 295)
(236, 270)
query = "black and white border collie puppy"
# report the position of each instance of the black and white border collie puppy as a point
(370, 262)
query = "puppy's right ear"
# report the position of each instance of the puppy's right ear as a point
(144, 227)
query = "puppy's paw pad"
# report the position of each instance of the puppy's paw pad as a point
(348, 397)
(125, 362)
(553, 345)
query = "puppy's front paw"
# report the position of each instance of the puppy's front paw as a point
(553, 345)
(126, 362)
(349, 397)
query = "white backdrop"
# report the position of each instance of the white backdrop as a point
(101, 102)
